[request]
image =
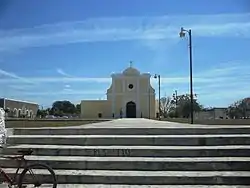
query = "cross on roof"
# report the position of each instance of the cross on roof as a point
(130, 63)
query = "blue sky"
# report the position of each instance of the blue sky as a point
(56, 50)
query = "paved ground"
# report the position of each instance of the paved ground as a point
(144, 123)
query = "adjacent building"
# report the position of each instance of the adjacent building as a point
(130, 95)
(18, 108)
(213, 113)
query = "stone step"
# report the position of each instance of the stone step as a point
(138, 186)
(135, 151)
(146, 177)
(143, 140)
(146, 186)
(135, 131)
(137, 163)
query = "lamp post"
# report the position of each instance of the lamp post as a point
(148, 103)
(175, 96)
(182, 34)
(159, 85)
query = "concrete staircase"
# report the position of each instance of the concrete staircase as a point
(130, 152)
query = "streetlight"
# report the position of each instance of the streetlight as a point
(182, 34)
(149, 103)
(159, 85)
(175, 96)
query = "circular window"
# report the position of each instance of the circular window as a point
(130, 86)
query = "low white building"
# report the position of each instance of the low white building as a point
(18, 108)
(213, 113)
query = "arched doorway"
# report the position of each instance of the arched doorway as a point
(131, 110)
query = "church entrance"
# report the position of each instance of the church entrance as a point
(131, 110)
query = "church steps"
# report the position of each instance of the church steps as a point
(137, 163)
(148, 177)
(135, 131)
(135, 151)
(146, 186)
(142, 140)
(140, 152)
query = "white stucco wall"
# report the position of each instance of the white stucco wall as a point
(119, 94)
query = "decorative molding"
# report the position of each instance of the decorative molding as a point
(123, 86)
(121, 76)
(21, 101)
(138, 106)
(133, 94)
(113, 96)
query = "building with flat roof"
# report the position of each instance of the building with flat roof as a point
(18, 108)
(213, 113)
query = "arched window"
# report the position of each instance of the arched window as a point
(27, 114)
(15, 112)
(31, 114)
(19, 113)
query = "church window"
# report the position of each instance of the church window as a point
(130, 86)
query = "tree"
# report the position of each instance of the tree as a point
(239, 108)
(60, 108)
(41, 113)
(78, 108)
(165, 106)
(49, 111)
(182, 105)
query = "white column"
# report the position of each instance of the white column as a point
(113, 95)
(123, 85)
(123, 97)
(138, 98)
(148, 99)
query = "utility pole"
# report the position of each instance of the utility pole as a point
(175, 96)
(149, 102)
(159, 77)
(182, 34)
(176, 102)
(159, 90)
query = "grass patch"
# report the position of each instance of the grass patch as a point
(211, 121)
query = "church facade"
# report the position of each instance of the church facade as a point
(129, 96)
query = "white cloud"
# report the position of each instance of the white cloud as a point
(40, 80)
(224, 96)
(219, 83)
(125, 28)
(65, 92)
(9, 74)
(214, 76)
(164, 80)
(60, 71)
(224, 69)
(22, 87)
(13, 76)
